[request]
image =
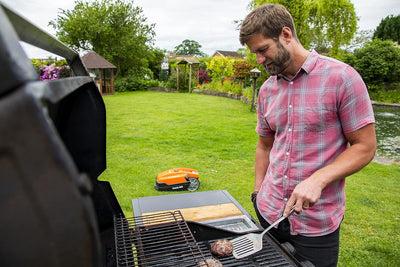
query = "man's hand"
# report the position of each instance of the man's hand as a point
(304, 195)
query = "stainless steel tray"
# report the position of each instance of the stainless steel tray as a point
(237, 224)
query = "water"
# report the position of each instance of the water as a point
(388, 131)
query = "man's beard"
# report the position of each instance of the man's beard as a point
(280, 62)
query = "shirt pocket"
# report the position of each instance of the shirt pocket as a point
(316, 122)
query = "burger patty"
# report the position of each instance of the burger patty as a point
(221, 247)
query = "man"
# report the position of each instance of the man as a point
(315, 125)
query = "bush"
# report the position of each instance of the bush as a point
(220, 67)
(51, 69)
(203, 76)
(228, 85)
(134, 84)
(241, 69)
(384, 95)
(378, 61)
(183, 86)
(172, 80)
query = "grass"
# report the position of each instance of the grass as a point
(148, 132)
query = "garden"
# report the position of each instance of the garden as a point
(149, 132)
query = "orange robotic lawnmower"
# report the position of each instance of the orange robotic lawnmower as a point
(177, 179)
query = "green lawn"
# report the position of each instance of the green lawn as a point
(148, 132)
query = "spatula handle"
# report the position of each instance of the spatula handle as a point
(278, 221)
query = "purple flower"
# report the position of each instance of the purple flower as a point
(50, 72)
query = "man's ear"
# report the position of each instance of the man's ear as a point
(286, 35)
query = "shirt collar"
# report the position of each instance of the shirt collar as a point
(310, 62)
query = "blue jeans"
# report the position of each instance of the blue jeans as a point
(322, 251)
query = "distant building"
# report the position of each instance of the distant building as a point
(101, 70)
(220, 53)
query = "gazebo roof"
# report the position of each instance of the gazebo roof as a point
(92, 60)
(190, 60)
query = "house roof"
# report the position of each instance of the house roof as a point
(227, 54)
(92, 60)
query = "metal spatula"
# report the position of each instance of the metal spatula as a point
(249, 244)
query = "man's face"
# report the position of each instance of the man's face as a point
(270, 53)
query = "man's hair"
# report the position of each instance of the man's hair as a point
(268, 20)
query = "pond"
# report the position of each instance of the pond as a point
(388, 131)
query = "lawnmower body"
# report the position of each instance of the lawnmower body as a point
(178, 179)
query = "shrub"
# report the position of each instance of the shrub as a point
(134, 84)
(47, 73)
(378, 61)
(227, 85)
(241, 69)
(172, 80)
(51, 69)
(220, 67)
(203, 76)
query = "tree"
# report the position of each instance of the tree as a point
(359, 39)
(336, 24)
(155, 56)
(114, 29)
(320, 23)
(378, 61)
(188, 47)
(389, 29)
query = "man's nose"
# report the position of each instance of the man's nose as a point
(260, 58)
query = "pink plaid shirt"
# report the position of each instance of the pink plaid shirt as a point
(308, 117)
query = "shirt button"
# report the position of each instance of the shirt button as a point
(290, 129)
(287, 153)
(285, 199)
(290, 106)
(285, 176)
(291, 82)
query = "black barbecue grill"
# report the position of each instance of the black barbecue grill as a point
(54, 210)
(166, 239)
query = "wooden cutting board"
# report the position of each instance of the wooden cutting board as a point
(205, 213)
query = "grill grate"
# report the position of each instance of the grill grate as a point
(163, 239)
(268, 256)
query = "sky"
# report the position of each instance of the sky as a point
(208, 22)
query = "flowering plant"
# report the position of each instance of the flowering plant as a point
(203, 76)
(50, 72)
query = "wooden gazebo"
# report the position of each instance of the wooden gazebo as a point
(194, 66)
(102, 72)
